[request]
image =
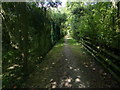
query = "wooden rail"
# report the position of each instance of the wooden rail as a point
(107, 59)
(105, 51)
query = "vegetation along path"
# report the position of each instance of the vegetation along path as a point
(69, 65)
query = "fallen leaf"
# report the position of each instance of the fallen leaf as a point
(86, 65)
(104, 74)
(93, 69)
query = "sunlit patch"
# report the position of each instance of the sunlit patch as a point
(22, 54)
(81, 86)
(93, 69)
(68, 79)
(12, 75)
(98, 47)
(41, 57)
(53, 84)
(68, 84)
(51, 80)
(104, 74)
(68, 37)
(46, 68)
(15, 46)
(86, 65)
(53, 63)
(59, 45)
(77, 80)
(12, 67)
(76, 44)
(84, 53)
(76, 69)
(18, 78)
(66, 59)
(106, 59)
(71, 67)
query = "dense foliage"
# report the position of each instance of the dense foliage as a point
(97, 27)
(28, 33)
(97, 23)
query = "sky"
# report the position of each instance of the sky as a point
(63, 2)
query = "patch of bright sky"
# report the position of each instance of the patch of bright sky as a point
(63, 2)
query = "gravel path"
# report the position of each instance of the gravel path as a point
(68, 65)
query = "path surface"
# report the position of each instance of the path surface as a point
(68, 65)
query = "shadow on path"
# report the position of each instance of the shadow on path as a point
(68, 65)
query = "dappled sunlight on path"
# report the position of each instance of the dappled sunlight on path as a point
(68, 65)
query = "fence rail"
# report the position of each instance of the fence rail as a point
(109, 60)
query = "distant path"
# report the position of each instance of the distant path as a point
(68, 65)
